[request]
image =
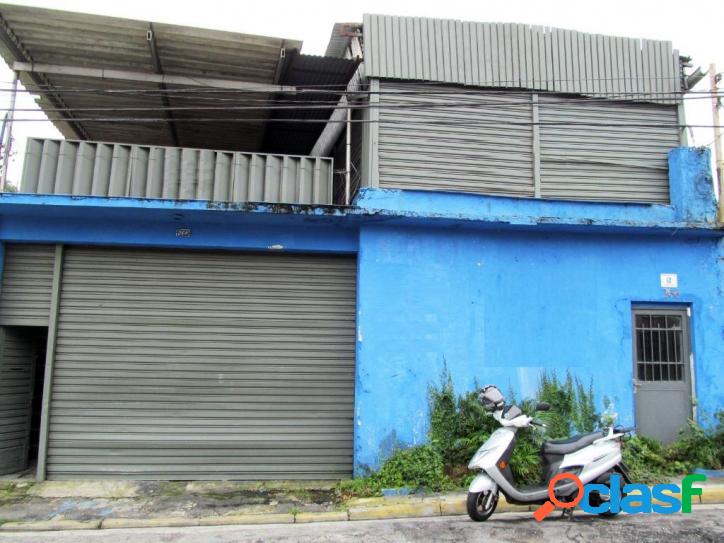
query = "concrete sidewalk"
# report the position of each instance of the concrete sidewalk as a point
(94, 505)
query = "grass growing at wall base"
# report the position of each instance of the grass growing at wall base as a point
(459, 425)
(649, 461)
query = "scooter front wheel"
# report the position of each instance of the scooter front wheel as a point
(481, 505)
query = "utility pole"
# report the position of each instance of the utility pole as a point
(7, 140)
(716, 102)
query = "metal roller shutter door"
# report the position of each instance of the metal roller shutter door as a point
(621, 156)
(27, 279)
(200, 365)
(17, 360)
(430, 141)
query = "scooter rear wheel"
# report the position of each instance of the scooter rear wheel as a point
(481, 505)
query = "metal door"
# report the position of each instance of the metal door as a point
(662, 372)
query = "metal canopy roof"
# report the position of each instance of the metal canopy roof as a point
(61, 37)
(80, 105)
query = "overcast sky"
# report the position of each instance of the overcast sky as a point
(696, 28)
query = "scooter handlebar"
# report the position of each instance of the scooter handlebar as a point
(624, 430)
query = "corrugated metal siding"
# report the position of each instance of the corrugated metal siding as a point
(519, 56)
(434, 138)
(201, 365)
(99, 169)
(17, 358)
(612, 163)
(425, 146)
(26, 285)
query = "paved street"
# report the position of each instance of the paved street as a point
(705, 524)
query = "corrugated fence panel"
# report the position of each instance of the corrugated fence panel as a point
(612, 162)
(100, 169)
(27, 281)
(17, 359)
(203, 365)
(425, 146)
(520, 56)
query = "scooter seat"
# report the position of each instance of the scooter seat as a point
(573, 443)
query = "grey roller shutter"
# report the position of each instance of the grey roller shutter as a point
(27, 280)
(203, 365)
(444, 138)
(589, 153)
(17, 357)
(433, 139)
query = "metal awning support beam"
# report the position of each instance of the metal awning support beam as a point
(144, 77)
(151, 39)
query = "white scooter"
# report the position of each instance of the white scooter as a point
(591, 457)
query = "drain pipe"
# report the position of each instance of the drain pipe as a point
(348, 158)
(714, 79)
(8, 133)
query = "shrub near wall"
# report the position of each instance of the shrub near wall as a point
(459, 425)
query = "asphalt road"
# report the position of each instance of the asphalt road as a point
(705, 524)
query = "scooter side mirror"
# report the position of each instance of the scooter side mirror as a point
(543, 406)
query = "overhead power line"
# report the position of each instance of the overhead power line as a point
(483, 83)
(272, 105)
(471, 123)
(342, 89)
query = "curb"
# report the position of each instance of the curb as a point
(159, 522)
(365, 509)
(50, 525)
(262, 518)
(326, 516)
(426, 508)
(713, 494)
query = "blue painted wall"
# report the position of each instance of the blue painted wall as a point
(101, 221)
(498, 307)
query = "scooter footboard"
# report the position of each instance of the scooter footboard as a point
(483, 483)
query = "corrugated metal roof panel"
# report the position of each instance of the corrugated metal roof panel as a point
(68, 38)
